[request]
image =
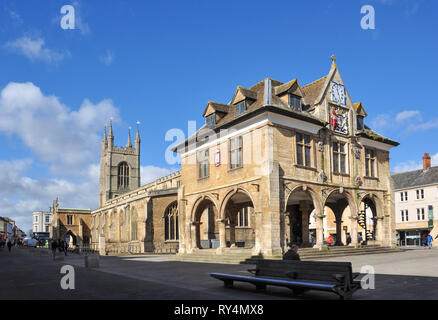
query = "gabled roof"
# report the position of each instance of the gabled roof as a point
(215, 107)
(242, 94)
(417, 178)
(360, 110)
(287, 86)
(313, 90)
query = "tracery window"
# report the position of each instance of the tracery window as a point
(123, 176)
(171, 231)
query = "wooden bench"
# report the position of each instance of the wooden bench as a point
(299, 276)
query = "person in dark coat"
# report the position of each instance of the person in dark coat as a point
(292, 253)
(54, 246)
(9, 244)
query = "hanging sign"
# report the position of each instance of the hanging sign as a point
(217, 158)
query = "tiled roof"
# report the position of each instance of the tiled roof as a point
(415, 178)
(312, 90)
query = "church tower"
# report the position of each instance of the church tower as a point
(119, 167)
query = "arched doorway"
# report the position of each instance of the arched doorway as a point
(338, 210)
(239, 222)
(70, 238)
(300, 218)
(205, 221)
(367, 219)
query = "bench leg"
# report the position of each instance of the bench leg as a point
(228, 283)
(298, 291)
(260, 287)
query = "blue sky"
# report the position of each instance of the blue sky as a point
(159, 63)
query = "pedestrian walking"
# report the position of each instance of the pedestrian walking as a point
(65, 247)
(54, 247)
(9, 244)
(429, 241)
(330, 240)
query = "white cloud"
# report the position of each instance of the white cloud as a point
(15, 17)
(405, 115)
(411, 165)
(150, 173)
(108, 58)
(34, 50)
(67, 139)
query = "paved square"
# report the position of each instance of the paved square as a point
(25, 275)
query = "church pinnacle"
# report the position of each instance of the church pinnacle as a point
(129, 144)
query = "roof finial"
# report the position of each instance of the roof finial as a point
(333, 57)
(129, 144)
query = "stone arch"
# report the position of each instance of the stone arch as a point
(338, 200)
(299, 223)
(373, 228)
(229, 195)
(198, 201)
(316, 199)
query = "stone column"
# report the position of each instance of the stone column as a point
(338, 232)
(232, 235)
(305, 213)
(319, 230)
(353, 233)
(222, 234)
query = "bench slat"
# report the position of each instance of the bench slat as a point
(270, 281)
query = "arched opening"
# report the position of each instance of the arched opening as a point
(239, 222)
(123, 176)
(171, 228)
(337, 222)
(367, 220)
(206, 225)
(70, 239)
(300, 219)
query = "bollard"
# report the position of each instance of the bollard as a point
(92, 261)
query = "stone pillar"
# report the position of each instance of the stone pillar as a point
(222, 234)
(353, 233)
(319, 230)
(338, 232)
(232, 235)
(305, 213)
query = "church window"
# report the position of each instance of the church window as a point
(240, 108)
(242, 217)
(211, 120)
(339, 158)
(123, 176)
(303, 149)
(171, 231)
(360, 123)
(236, 153)
(203, 164)
(370, 160)
(294, 102)
(69, 219)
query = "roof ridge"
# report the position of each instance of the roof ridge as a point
(315, 81)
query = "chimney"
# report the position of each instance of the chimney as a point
(426, 161)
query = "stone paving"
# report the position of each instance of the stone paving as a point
(24, 275)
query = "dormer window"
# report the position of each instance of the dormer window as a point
(295, 102)
(360, 123)
(240, 108)
(211, 120)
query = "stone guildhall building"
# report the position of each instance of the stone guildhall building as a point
(280, 163)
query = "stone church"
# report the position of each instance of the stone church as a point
(280, 163)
